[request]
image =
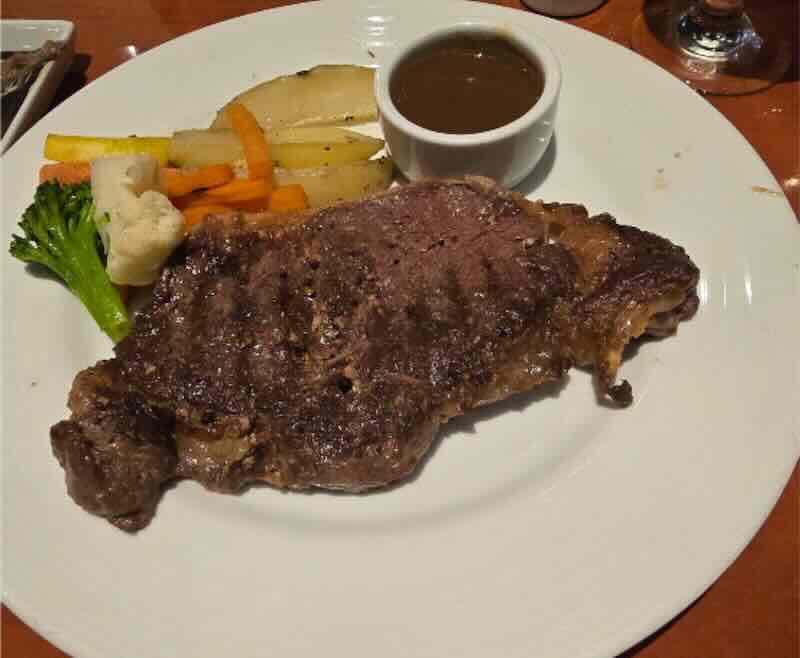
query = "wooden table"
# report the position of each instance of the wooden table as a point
(752, 611)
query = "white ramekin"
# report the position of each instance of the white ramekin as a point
(563, 8)
(506, 154)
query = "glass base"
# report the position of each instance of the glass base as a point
(715, 55)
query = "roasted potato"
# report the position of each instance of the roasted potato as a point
(346, 182)
(290, 148)
(324, 95)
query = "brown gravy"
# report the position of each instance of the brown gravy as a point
(466, 84)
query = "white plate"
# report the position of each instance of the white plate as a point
(30, 35)
(541, 527)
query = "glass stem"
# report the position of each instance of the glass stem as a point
(714, 29)
(720, 7)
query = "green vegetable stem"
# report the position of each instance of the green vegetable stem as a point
(60, 233)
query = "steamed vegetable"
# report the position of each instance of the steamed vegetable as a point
(286, 199)
(239, 190)
(326, 185)
(199, 148)
(179, 182)
(76, 148)
(289, 198)
(139, 226)
(65, 172)
(59, 232)
(254, 144)
(291, 148)
(324, 95)
(303, 148)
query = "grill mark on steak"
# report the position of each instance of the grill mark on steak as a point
(327, 354)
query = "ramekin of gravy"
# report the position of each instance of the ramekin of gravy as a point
(469, 99)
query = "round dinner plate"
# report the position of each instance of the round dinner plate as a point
(547, 525)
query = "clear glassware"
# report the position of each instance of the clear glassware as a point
(711, 45)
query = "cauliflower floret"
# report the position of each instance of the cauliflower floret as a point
(141, 237)
(138, 225)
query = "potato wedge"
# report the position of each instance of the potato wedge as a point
(303, 148)
(198, 148)
(291, 148)
(347, 182)
(75, 148)
(324, 95)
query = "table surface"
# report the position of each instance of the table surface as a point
(752, 611)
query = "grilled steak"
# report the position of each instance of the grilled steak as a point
(329, 353)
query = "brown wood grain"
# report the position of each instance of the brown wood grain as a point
(753, 610)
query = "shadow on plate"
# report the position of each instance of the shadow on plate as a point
(541, 171)
(39, 271)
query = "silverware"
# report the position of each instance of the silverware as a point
(20, 68)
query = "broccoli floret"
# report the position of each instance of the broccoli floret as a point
(60, 233)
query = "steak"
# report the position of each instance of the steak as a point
(329, 352)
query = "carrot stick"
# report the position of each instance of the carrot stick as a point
(66, 172)
(245, 195)
(288, 198)
(202, 199)
(237, 191)
(196, 214)
(180, 182)
(175, 183)
(256, 147)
